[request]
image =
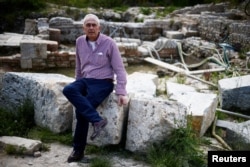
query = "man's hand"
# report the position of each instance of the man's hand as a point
(122, 100)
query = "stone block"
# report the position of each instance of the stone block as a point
(54, 34)
(152, 120)
(174, 34)
(33, 49)
(142, 84)
(116, 116)
(234, 93)
(52, 109)
(21, 145)
(30, 27)
(201, 107)
(26, 63)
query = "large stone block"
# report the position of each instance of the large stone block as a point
(234, 93)
(22, 145)
(142, 84)
(201, 107)
(52, 109)
(30, 27)
(33, 49)
(116, 116)
(152, 120)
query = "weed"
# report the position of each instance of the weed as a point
(45, 147)
(10, 149)
(145, 11)
(45, 135)
(69, 11)
(121, 8)
(166, 11)
(181, 78)
(216, 76)
(139, 20)
(180, 149)
(17, 123)
(100, 162)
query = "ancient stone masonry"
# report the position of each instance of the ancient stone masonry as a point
(231, 31)
(61, 59)
(34, 53)
(211, 22)
(69, 29)
(30, 27)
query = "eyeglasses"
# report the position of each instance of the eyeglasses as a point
(91, 24)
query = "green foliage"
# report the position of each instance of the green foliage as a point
(10, 149)
(119, 3)
(180, 149)
(45, 135)
(12, 10)
(88, 3)
(23, 4)
(216, 76)
(17, 123)
(181, 78)
(167, 10)
(145, 11)
(104, 152)
(121, 8)
(100, 162)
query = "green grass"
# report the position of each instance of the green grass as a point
(100, 162)
(17, 123)
(46, 136)
(180, 149)
(21, 123)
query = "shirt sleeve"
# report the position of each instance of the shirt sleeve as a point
(119, 70)
(78, 62)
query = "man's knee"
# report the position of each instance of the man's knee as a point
(67, 90)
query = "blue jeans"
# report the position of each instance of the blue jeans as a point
(86, 95)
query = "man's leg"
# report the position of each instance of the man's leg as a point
(79, 139)
(72, 92)
(98, 90)
(80, 134)
(77, 93)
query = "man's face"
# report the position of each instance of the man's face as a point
(91, 29)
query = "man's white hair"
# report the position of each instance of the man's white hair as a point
(91, 16)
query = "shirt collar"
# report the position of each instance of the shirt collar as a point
(98, 39)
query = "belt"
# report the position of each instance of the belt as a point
(109, 80)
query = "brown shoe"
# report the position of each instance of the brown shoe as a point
(98, 127)
(75, 156)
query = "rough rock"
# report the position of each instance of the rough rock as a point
(152, 120)
(21, 145)
(52, 109)
(237, 134)
(142, 84)
(116, 116)
(234, 94)
(200, 106)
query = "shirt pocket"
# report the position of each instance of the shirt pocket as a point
(100, 58)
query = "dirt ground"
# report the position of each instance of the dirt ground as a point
(57, 157)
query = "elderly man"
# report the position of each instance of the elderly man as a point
(98, 61)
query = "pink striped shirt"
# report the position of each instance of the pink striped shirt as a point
(104, 62)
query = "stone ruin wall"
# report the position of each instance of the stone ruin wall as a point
(210, 27)
(214, 28)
